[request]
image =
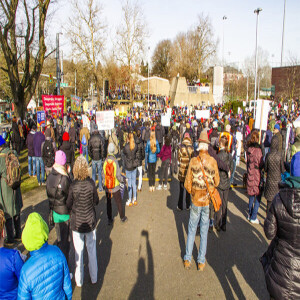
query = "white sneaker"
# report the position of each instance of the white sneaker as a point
(256, 221)
(248, 217)
(165, 187)
(128, 202)
(153, 188)
(159, 187)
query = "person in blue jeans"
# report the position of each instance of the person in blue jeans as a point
(131, 162)
(31, 157)
(38, 140)
(203, 170)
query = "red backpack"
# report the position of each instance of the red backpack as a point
(110, 175)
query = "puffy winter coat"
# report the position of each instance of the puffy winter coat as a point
(96, 146)
(82, 199)
(254, 166)
(281, 262)
(67, 148)
(73, 135)
(130, 157)
(45, 275)
(152, 157)
(141, 150)
(57, 186)
(159, 133)
(224, 178)
(185, 153)
(274, 167)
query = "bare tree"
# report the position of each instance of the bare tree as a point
(87, 31)
(130, 39)
(22, 38)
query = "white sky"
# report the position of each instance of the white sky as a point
(166, 18)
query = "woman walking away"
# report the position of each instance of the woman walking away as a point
(274, 166)
(82, 199)
(130, 158)
(11, 264)
(140, 157)
(255, 164)
(152, 149)
(112, 178)
(282, 226)
(165, 155)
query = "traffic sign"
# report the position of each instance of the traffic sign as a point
(63, 84)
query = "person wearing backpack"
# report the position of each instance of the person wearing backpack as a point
(59, 133)
(111, 174)
(48, 152)
(10, 192)
(84, 137)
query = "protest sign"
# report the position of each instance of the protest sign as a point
(53, 103)
(165, 121)
(297, 122)
(105, 119)
(169, 112)
(85, 121)
(75, 103)
(244, 103)
(117, 112)
(262, 113)
(85, 106)
(41, 118)
(285, 107)
(205, 114)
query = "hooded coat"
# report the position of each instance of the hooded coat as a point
(274, 167)
(281, 262)
(185, 154)
(254, 166)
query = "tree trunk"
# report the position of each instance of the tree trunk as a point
(20, 108)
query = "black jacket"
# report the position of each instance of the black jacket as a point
(224, 178)
(96, 146)
(159, 133)
(69, 151)
(146, 134)
(72, 135)
(29, 143)
(57, 186)
(140, 151)
(274, 167)
(81, 202)
(130, 157)
(281, 262)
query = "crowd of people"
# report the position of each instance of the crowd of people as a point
(202, 153)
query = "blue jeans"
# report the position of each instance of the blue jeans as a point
(85, 152)
(31, 160)
(146, 160)
(233, 172)
(40, 168)
(197, 213)
(97, 165)
(254, 209)
(131, 176)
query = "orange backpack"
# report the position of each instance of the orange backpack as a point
(109, 175)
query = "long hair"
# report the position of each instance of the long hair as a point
(152, 141)
(254, 138)
(224, 142)
(81, 168)
(2, 220)
(131, 141)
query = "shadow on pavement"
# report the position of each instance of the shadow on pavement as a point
(144, 286)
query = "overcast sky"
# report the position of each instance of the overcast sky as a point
(166, 18)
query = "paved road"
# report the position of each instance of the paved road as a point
(142, 259)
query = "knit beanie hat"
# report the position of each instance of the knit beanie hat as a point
(35, 232)
(66, 136)
(60, 158)
(111, 148)
(295, 165)
(187, 135)
(277, 126)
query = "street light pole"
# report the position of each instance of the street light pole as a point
(58, 71)
(282, 43)
(257, 11)
(224, 18)
(148, 75)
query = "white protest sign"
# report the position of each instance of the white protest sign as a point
(293, 107)
(85, 121)
(117, 112)
(285, 107)
(169, 112)
(137, 115)
(262, 113)
(297, 122)
(165, 121)
(105, 119)
(205, 114)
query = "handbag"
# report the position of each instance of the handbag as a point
(214, 196)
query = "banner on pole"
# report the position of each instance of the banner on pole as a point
(75, 103)
(105, 119)
(53, 103)
(262, 114)
(41, 118)
(85, 121)
(205, 114)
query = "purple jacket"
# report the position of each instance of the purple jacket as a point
(29, 143)
(38, 140)
(165, 152)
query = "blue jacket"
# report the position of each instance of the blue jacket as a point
(11, 264)
(45, 275)
(152, 157)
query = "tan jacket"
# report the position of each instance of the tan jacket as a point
(194, 181)
(185, 153)
(85, 131)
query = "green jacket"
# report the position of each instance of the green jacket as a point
(10, 200)
(296, 146)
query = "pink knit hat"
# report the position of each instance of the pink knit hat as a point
(60, 158)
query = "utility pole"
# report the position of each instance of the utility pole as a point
(282, 43)
(148, 74)
(75, 83)
(62, 66)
